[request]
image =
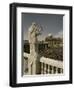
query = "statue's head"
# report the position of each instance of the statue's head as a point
(36, 29)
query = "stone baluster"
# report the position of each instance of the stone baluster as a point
(52, 70)
(48, 70)
(42, 67)
(56, 69)
(61, 70)
(45, 69)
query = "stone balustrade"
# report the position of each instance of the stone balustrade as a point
(48, 66)
(51, 66)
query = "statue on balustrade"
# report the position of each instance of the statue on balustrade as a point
(33, 61)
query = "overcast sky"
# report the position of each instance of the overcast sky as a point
(51, 24)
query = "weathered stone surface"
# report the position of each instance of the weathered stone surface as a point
(33, 62)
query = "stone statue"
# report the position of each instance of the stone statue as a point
(33, 33)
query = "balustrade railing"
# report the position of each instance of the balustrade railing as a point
(48, 66)
(51, 66)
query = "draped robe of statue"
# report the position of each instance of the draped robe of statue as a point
(33, 61)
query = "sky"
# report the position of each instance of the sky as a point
(51, 24)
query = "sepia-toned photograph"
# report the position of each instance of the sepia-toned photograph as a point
(42, 44)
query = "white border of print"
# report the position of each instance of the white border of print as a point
(43, 78)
